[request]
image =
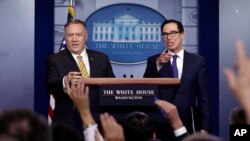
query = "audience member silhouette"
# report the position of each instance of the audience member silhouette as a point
(65, 132)
(5, 137)
(138, 126)
(202, 137)
(237, 116)
(24, 125)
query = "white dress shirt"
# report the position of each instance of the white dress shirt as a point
(89, 133)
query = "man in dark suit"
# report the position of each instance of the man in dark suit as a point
(73, 63)
(192, 94)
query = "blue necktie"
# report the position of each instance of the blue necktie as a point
(174, 67)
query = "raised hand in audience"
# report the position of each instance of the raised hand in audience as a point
(171, 113)
(112, 130)
(239, 82)
(79, 94)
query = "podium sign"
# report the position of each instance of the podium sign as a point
(120, 96)
(127, 95)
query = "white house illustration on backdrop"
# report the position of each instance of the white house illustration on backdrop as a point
(126, 28)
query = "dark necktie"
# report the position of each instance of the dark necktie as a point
(174, 67)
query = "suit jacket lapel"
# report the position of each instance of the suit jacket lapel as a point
(185, 65)
(92, 66)
(70, 61)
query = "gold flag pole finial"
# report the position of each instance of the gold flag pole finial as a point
(71, 10)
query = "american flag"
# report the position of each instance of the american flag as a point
(71, 15)
(63, 45)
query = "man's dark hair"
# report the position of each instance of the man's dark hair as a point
(75, 21)
(65, 132)
(237, 116)
(5, 137)
(179, 25)
(138, 126)
(202, 137)
(24, 125)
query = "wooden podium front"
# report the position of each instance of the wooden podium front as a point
(131, 81)
(120, 96)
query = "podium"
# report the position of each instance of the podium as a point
(131, 81)
(120, 96)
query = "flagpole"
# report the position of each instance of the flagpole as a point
(71, 3)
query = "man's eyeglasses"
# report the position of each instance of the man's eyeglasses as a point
(171, 34)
